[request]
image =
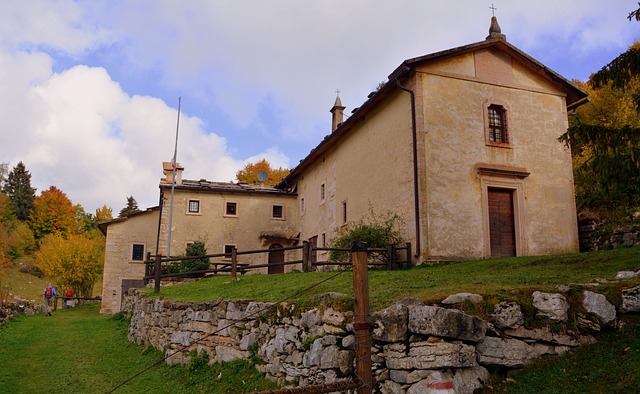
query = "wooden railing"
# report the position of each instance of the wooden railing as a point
(158, 267)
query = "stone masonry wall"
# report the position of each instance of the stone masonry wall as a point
(417, 348)
(11, 309)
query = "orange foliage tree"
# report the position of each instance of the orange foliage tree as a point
(52, 212)
(249, 174)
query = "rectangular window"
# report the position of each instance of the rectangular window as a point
(497, 124)
(228, 250)
(322, 192)
(137, 252)
(277, 212)
(231, 209)
(194, 206)
(324, 240)
(302, 206)
(344, 212)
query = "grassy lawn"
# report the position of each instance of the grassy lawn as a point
(80, 351)
(29, 286)
(500, 278)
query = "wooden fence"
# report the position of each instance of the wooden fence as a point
(159, 267)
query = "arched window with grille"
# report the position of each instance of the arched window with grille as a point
(497, 127)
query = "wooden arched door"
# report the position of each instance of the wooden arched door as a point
(276, 256)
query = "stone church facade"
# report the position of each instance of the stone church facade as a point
(461, 144)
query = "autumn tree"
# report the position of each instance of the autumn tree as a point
(6, 216)
(604, 136)
(74, 260)
(132, 207)
(18, 188)
(103, 214)
(52, 212)
(83, 221)
(249, 174)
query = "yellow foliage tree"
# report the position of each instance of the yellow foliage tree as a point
(74, 260)
(249, 174)
(103, 214)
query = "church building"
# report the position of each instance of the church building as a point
(461, 144)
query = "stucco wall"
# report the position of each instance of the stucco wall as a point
(118, 247)
(211, 225)
(453, 113)
(370, 168)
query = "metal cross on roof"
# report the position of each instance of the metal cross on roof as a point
(338, 92)
(493, 9)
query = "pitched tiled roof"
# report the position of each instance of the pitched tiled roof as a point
(204, 185)
(574, 93)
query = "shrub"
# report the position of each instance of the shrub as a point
(195, 249)
(377, 231)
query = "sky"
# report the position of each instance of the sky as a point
(89, 90)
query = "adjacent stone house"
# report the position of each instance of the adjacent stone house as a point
(222, 215)
(461, 144)
(127, 242)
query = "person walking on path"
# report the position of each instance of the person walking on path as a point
(49, 297)
(67, 294)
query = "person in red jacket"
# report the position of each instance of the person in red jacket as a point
(67, 294)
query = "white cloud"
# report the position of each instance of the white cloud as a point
(259, 76)
(59, 24)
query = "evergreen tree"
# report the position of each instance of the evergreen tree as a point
(132, 207)
(197, 248)
(18, 188)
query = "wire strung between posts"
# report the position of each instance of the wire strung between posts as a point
(225, 327)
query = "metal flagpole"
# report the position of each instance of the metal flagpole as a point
(174, 165)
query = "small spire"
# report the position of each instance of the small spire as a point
(494, 30)
(338, 103)
(337, 113)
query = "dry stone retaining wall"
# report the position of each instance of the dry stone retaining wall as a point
(11, 309)
(417, 348)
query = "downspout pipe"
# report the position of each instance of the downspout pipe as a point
(416, 190)
(161, 204)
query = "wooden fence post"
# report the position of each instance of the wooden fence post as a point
(361, 324)
(156, 285)
(306, 267)
(234, 264)
(392, 259)
(313, 256)
(147, 268)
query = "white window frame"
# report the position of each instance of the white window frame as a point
(189, 201)
(281, 217)
(226, 210)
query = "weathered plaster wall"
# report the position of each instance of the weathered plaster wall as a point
(216, 229)
(118, 251)
(454, 127)
(371, 167)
